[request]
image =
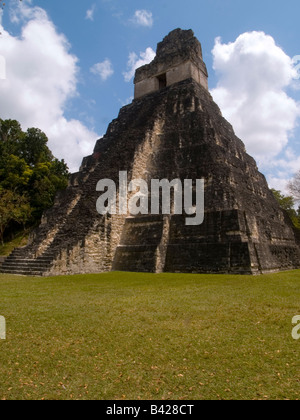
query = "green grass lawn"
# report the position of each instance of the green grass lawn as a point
(144, 336)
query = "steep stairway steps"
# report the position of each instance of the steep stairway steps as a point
(19, 263)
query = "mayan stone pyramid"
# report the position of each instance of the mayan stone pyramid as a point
(172, 129)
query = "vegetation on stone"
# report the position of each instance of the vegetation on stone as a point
(30, 177)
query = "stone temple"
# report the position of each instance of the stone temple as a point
(172, 129)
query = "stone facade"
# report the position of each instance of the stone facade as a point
(173, 132)
(178, 57)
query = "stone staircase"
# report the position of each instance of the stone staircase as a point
(19, 263)
(2, 259)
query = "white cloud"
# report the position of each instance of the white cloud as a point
(125, 102)
(2, 68)
(279, 184)
(143, 18)
(135, 61)
(90, 13)
(253, 75)
(280, 170)
(104, 69)
(41, 77)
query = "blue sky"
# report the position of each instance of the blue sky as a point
(66, 65)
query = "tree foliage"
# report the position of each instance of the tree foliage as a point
(30, 175)
(294, 187)
(13, 207)
(288, 203)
